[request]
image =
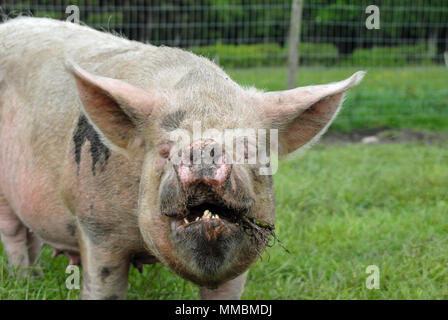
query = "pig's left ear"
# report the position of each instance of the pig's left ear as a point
(114, 107)
(303, 114)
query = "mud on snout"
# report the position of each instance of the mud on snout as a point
(211, 224)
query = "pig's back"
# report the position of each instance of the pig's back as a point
(42, 46)
(33, 52)
(39, 105)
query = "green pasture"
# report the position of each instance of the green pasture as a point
(413, 98)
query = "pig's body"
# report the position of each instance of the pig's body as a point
(38, 125)
(86, 157)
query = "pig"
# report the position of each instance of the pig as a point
(86, 149)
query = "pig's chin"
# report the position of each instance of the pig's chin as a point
(212, 244)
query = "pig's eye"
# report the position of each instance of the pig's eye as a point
(164, 151)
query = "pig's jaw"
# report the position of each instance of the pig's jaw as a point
(210, 245)
(208, 249)
(212, 242)
(207, 231)
(206, 239)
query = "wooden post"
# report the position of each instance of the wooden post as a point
(294, 39)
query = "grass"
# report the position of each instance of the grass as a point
(413, 98)
(339, 210)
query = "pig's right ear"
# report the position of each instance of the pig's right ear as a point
(114, 107)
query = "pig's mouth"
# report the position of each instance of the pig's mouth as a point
(209, 213)
(218, 222)
(214, 229)
(216, 234)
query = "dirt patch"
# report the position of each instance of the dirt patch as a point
(386, 135)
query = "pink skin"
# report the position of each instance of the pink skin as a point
(185, 174)
(31, 193)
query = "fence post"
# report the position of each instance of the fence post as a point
(294, 39)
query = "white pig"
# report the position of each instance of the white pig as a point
(86, 148)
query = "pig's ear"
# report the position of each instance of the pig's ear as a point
(114, 107)
(303, 114)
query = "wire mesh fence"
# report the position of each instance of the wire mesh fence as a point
(249, 34)
(243, 33)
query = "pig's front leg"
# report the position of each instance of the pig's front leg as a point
(21, 245)
(231, 290)
(105, 271)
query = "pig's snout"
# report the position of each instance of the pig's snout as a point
(204, 161)
(209, 204)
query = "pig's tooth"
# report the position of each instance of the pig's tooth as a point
(207, 214)
(216, 216)
(185, 220)
(197, 218)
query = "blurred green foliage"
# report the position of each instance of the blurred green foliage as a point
(206, 22)
(314, 54)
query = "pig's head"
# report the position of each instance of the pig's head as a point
(206, 220)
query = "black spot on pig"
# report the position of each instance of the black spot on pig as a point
(98, 151)
(105, 272)
(258, 177)
(172, 121)
(71, 228)
(96, 230)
